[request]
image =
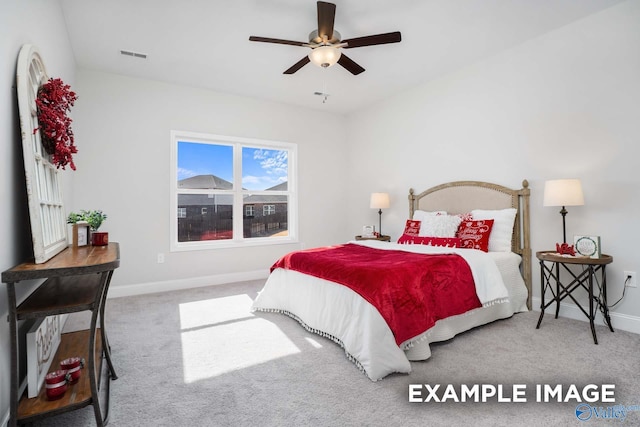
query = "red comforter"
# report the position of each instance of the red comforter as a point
(411, 291)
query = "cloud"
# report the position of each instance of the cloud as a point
(185, 173)
(273, 162)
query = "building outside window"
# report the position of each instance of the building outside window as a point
(219, 184)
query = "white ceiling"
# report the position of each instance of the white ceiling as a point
(205, 43)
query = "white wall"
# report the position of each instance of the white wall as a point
(564, 105)
(39, 22)
(123, 136)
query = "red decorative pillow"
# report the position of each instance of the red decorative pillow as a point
(475, 234)
(412, 228)
(449, 242)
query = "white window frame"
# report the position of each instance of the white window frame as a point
(44, 187)
(182, 213)
(249, 210)
(238, 143)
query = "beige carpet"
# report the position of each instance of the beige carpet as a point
(200, 358)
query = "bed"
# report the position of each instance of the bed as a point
(329, 306)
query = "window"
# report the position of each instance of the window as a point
(44, 186)
(268, 210)
(218, 182)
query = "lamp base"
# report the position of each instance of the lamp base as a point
(564, 212)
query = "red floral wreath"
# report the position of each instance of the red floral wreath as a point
(54, 100)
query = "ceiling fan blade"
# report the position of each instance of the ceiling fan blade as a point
(326, 18)
(295, 67)
(385, 38)
(350, 65)
(278, 41)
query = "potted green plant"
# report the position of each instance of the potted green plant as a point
(95, 219)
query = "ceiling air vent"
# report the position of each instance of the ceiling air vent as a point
(134, 54)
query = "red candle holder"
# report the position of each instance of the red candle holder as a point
(72, 366)
(100, 238)
(56, 384)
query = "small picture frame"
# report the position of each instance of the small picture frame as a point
(80, 234)
(369, 231)
(587, 246)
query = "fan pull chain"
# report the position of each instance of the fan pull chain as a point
(324, 93)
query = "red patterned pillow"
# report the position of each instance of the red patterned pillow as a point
(449, 242)
(412, 228)
(475, 234)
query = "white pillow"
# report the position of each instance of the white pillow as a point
(419, 215)
(502, 231)
(440, 225)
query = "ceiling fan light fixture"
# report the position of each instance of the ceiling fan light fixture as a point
(324, 56)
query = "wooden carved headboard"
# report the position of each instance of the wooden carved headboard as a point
(464, 196)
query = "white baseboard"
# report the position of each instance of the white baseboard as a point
(620, 321)
(178, 284)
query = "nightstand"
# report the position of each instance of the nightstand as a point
(551, 263)
(382, 238)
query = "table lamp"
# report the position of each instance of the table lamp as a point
(563, 192)
(379, 201)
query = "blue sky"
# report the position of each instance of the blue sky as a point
(261, 168)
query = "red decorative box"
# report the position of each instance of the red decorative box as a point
(72, 366)
(56, 384)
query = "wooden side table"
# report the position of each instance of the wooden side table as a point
(550, 267)
(77, 279)
(382, 238)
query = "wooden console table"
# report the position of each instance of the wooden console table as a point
(77, 280)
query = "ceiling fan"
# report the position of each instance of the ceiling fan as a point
(326, 45)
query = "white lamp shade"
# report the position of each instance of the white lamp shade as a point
(379, 200)
(563, 192)
(325, 56)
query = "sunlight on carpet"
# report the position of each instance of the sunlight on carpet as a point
(313, 342)
(221, 335)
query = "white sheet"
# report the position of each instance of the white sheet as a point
(358, 327)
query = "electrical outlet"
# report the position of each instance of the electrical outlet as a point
(630, 279)
(160, 258)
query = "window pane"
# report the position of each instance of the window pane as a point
(264, 169)
(270, 216)
(206, 217)
(205, 166)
